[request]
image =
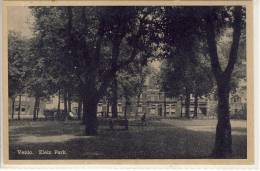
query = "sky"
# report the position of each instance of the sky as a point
(20, 20)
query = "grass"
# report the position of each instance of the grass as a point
(165, 139)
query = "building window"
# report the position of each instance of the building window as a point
(50, 101)
(99, 109)
(172, 109)
(236, 99)
(23, 109)
(23, 98)
(119, 108)
(167, 109)
(76, 109)
(104, 108)
(153, 109)
(140, 109)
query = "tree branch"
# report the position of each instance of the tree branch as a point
(136, 37)
(235, 41)
(108, 75)
(100, 36)
(212, 46)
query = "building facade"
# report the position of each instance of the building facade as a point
(26, 107)
(152, 102)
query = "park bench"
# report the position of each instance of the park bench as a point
(118, 122)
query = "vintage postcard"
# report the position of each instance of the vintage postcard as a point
(128, 82)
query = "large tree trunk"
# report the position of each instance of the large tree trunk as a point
(91, 122)
(69, 101)
(58, 108)
(164, 103)
(115, 54)
(13, 106)
(35, 108)
(114, 98)
(65, 101)
(181, 106)
(195, 106)
(84, 109)
(107, 114)
(137, 104)
(19, 108)
(38, 108)
(79, 108)
(126, 104)
(223, 141)
(187, 105)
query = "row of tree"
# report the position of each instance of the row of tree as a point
(25, 78)
(92, 52)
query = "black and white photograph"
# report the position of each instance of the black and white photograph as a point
(127, 82)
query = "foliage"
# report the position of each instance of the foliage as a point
(84, 50)
(17, 63)
(40, 82)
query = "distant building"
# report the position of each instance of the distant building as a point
(237, 102)
(152, 101)
(27, 107)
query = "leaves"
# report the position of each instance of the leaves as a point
(17, 63)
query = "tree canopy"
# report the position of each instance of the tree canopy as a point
(89, 50)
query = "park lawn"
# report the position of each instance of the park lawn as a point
(169, 139)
